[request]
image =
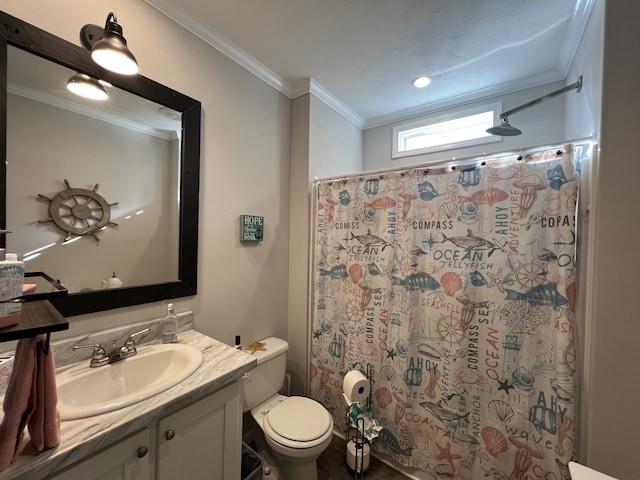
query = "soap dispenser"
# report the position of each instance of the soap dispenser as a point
(170, 326)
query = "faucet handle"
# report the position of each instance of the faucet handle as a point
(99, 353)
(128, 349)
(131, 340)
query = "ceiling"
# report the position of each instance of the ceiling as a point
(360, 56)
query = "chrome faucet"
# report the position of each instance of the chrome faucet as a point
(129, 347)
(101, 357)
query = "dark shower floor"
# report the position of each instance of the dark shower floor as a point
(332, 465)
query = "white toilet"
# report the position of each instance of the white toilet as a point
(297, 429)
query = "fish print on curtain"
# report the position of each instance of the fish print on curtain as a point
(458, 290)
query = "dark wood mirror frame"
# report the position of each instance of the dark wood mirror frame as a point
(22, 35)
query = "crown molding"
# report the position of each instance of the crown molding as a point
(318, 91)
(459, 100)
(309, 85)
(64, 104)
(216, 40)
(575, 32)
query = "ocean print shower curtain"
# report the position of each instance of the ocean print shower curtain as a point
(456, 289)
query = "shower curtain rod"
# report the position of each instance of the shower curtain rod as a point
(454, 163)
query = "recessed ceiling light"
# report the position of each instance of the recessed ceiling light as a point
(422, 81)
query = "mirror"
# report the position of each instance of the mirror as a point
(91, 188)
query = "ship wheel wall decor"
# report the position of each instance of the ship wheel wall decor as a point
(78, 211)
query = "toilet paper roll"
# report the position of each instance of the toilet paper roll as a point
(363, 454)
(355, 387)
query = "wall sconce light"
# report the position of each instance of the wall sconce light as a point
(87, 87)
(108, 46)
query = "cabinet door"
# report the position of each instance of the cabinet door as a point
(204, 440)
(126, 460)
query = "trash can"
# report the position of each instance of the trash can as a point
(251, 464)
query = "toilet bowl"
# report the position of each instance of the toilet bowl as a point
(296, 429)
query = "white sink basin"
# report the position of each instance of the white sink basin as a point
(85, 392)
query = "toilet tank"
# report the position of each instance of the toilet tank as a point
(267, 378)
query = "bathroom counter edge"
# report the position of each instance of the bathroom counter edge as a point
(221, 366)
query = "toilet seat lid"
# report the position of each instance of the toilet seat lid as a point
(299, 419)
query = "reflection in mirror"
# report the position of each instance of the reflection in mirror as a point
(97, 187)
(47, 287)
(118, 209)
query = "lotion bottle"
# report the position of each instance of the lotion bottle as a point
(170, 326)
(11, 276)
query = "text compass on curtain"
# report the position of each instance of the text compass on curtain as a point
(109, 47)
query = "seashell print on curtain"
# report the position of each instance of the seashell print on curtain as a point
(458, 290)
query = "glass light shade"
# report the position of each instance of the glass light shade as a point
(111, 53)
(87, 87)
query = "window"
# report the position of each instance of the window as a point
(445, 132)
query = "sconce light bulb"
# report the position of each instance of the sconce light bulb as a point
(86, 87)
(115, 60)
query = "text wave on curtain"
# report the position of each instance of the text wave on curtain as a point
(458, 290)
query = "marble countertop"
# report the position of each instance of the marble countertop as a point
(222, 365)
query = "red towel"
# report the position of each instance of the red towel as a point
(17, 408)
(44, 423)
(31, 400)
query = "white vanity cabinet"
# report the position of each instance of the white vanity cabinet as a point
(203, 441)
(200, 441)
(126, 460)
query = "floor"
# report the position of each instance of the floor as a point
(332, 465)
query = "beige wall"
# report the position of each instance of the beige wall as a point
(611, 400)
(263, 290)
(299, 218)
(582, 119)
(335, 143)
(540, 125)
(323, 144)
(242, 288)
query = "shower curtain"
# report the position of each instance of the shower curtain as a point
(455, 289)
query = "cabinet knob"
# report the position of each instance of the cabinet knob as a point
(169, 434)
(142, 451)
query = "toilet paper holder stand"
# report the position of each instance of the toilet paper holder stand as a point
(361, 461)
(358, 461)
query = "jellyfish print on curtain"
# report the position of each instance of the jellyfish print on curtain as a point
(458, 289)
